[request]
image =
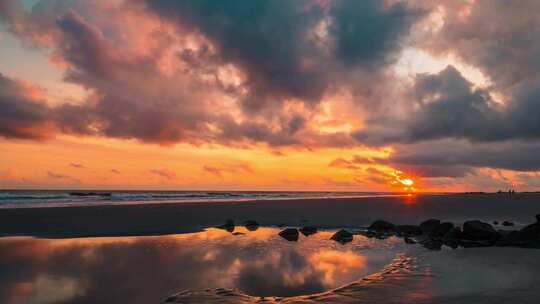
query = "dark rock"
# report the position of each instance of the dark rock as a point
(432, 244)
(452, 238)
(409, 240)
(367, 233)
(495, 223)
(238, 233)
(538, 218)
(308, 230)
(290, 234)
(342, 236)
(507, 223)
(428, 226)
(478, 231)
(229, 226)
(530, 232)
(453, 234)
(441, 230)
(408, 230)
(251, 225)
(382, 226)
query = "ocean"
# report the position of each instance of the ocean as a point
(59, 198)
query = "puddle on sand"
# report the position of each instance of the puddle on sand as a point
(147, 269)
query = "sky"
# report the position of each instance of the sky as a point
(306, 95)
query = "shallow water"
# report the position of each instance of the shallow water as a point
(148, 269)
(216, 266)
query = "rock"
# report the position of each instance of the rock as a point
(538, 218)
(528, 237)
(428, 226)
(507, 223)
(432, 244)
(530, 232)
(409, 240)
(308, 230)
(238, 233)
(342, 236)
(495, 223)
(229, 226)
(452, 238)
(290, 234)
(440, 230)
(367, 233)
(454, 233)
(478, 231)
(251, 225)
(408, 230)
(382, 226)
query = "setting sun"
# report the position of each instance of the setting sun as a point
(407, 182)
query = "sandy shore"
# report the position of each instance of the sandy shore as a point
(155, 218)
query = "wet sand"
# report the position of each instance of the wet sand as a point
(166, 218)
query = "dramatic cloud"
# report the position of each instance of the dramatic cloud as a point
(303, 74)
(204, 71)
(446, 105)
(21, 114)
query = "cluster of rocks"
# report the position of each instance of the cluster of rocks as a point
(433, 234)
(230, 225)
(292, 234)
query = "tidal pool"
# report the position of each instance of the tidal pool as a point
(216, 266)
(147, 269)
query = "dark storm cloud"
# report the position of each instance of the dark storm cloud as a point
(276, 44)
(446, 105)
(369, 32)
(499, 37)
(285, 50)
(21, 117)
(268, 39)
(519, 156)
(84, 45)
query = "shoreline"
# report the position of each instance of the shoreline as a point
(169, 218)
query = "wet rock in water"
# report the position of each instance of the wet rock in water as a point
(342, 236)
(441, 230)
(452, 238)
(367, 233)
(538, 218)
(495, 223)
(382, 226)
(290, 234)
(408, 230)
(251, 225)
(454, 233)
(432, 244)
(408, 240)
(229, 226)
(507, 223)
(308, 230)
(478, 231)
(531, 232)
(428, 226)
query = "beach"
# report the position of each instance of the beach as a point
(170, 252)
(170, 217)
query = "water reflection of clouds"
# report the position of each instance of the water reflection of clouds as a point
(146, 269)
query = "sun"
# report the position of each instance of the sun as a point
(407, 182)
